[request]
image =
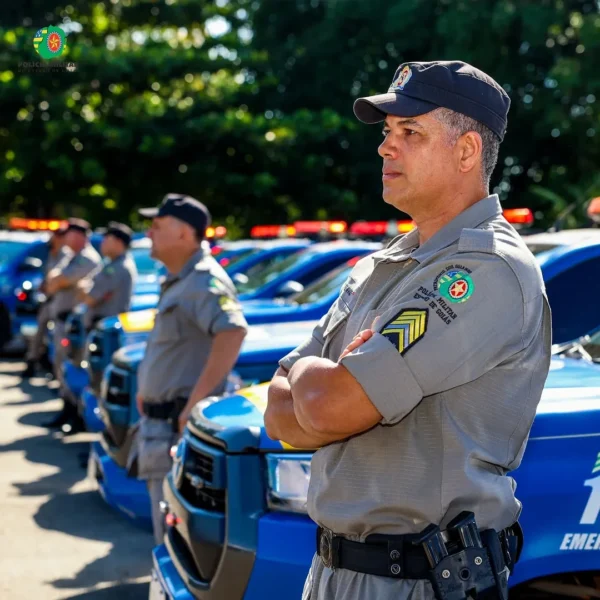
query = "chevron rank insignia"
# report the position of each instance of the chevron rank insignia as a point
(406, 328)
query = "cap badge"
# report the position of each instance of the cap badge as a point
(402, 79)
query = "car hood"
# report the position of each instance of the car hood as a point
(569, 400)
(263, 343)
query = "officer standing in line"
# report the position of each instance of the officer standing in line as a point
(197, 336)
(57, 250)
(63, 282)
(112, 284)
(420, 385)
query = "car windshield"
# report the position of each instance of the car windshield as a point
(145, 264)
(9, 250)
(266, 271)
(228, 258)
(323, 287)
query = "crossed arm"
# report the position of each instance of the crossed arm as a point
(318, 402)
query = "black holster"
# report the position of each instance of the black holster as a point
(473, 563)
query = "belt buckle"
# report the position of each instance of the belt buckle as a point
(326, 547)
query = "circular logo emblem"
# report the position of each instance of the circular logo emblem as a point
(456, 286)
(49, 42)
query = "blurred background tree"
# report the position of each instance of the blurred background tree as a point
(247, 105)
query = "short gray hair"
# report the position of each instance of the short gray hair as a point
(458, 124)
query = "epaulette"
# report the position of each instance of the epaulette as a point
(477, 240)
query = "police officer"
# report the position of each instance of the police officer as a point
(112, 284)
(420, 385)
(195, 342)
(63, 282)
(57, 250)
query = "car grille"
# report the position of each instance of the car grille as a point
(197, 474)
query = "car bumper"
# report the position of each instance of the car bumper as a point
(91, 412)
(76, 378)
(166, 584)
(127, 495)
(277, 567)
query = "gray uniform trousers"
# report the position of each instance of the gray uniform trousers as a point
(60, 354)
(36, 344)
(326, 584)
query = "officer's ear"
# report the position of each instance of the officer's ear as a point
(470, 147)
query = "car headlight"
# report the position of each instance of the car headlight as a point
(288, 479)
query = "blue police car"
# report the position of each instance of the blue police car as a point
(21, 258)
(291, 275)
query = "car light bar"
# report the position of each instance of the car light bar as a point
(518, 216)
(373, 228)
(216, 232)
(35, 224)
(321, 226)
(272, 231)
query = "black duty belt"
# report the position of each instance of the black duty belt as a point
(164, 411)
(398, 557)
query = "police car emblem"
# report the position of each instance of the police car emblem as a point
(179, 463)
(402, 79)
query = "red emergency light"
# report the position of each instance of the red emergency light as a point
(593, 209)
(369, 228)
(518, 216)
(373, 228)
(321, 226)
(272, 231)
(36, 224)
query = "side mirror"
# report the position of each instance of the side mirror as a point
(289, 288)
(240, 278)
(31, 264)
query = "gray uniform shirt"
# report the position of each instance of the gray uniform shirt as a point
(54, 260)
(74, 267)
(112, 286)
(456, 367)
(196, 304)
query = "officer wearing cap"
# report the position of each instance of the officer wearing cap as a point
(57, 250)
(63, 282)
(197, 336)
(420, 385)
(112, 284)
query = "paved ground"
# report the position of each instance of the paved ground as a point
(58, 540)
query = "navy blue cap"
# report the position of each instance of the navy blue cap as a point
(420, 87)
(79, 225)
(185, 208)
(120, 231)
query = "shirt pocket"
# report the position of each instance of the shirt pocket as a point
(167, 324)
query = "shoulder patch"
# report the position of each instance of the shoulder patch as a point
(477, 240)
(406, 328)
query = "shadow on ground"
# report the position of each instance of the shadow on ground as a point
(86, 515)
(127, 591)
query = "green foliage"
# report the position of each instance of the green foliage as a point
(248, 105)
